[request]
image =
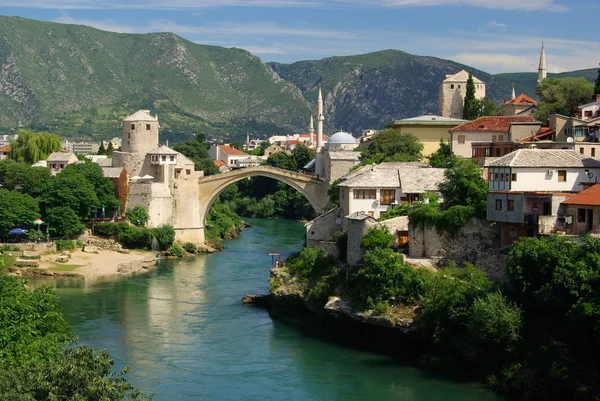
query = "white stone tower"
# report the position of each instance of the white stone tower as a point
(320, 120)
(311, 130)
(139, 132)
(542, 66)
(512, 96)
(452, 92)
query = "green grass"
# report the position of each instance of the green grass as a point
(64, 268)
(9, 261)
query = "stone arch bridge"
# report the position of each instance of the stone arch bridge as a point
(190, 226)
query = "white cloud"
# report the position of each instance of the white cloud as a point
(494, 25)
(547, 5)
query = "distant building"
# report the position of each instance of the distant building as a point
(57, 161)
(102, 160)
(271, 150)
(521, 105)
(226, 154)
(81, 148)
(429, 129)
(336, 157)
(452, 92)
(5, 139)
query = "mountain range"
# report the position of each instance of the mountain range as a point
(78, 81)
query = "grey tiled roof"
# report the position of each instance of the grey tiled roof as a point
(421, 180)
(163, 150)
(140, 115)
(411, 178)
(359, 216)
(60, 157)
(544, 158)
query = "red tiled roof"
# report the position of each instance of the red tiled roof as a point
(5, 149)
(590, 197)
(495, 123)
(293, 142)
(305, 135)
(521, 99)
(231, 151)
(218, 163)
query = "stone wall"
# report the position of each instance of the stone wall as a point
(41, 248)
(156, 198)
(323, 227)
(356, 229)
(186, 216)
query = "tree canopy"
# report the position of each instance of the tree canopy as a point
(31, 146)
(597, 86)
(197, 152)
(443, 157)
(16, 209)
(464, 186)
(390, 145)
(29, 180)
(562, 96)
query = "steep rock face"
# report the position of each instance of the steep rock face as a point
(370, 90)
(49, 70)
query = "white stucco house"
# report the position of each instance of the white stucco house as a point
(226, 154)
(527, 184)
(373, 190)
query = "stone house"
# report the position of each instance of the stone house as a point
(271, 150)
(580, 214)
(528, 184)
(429, 129)
(491, 129)
(452, 92)
(57, 161)
(373, 190)
(226, 154)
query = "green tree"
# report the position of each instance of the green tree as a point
(109, 149)
(376, 238)
(463, 185)
(137, 216)
(470, 111)
(333, 192)
(197, 152)
(390, 145)
(282, 160)
(302, 155)
(63, 221)
(237, 145)
(72, 191)
(562, 96)
(21, 176)
(101, 148)
(16, 209)
(31, 146)
(486, 107)
(92, 173)
(443, 157)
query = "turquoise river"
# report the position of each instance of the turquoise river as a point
(187, 336)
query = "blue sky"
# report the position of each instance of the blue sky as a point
(493, 35)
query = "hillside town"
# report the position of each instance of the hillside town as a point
(466, 232)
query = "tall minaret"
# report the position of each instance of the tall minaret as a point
(513, 93)
(320, 119)
(311, 130)
(542, 66)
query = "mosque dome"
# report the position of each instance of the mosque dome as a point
(341, 138)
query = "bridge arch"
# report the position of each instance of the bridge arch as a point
(313, 189)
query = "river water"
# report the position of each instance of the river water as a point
(187, 336)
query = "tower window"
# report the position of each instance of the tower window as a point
(451, 86)
(132, 126)
(458, 86)
(147, 127)
(172, 158)
(164, 158)
(129, 135)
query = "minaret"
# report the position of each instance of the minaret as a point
(311, 130)
(542, 66)
(320, 119)
(513, 93)
(247, 140)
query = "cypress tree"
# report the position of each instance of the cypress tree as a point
(101, 149)
(597, 86)
(470, 105)
(109, 149)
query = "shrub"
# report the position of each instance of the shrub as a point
(189, 247)
(137, 216)
(138, 237)
(309, 262)
(174, 250)
(376, 238)
(165, 235)
(64, 245)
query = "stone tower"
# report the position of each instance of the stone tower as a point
(139, 132)
(320, 119)
(542, 66)
(452, 92)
